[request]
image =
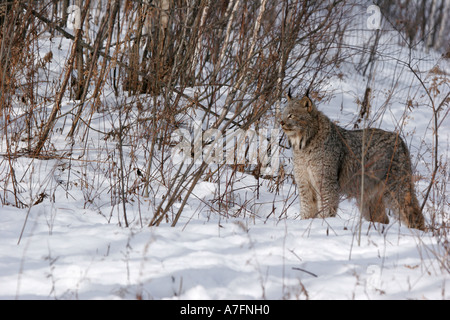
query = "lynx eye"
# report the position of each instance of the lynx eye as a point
(290, 116)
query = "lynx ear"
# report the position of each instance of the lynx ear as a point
(309, 105)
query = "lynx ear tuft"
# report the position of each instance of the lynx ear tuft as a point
(307, 92)
(289, 95)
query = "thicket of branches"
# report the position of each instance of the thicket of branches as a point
(157, 63)
(420, 21)
(236, 52)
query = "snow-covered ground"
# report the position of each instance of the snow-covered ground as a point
(72, 245)
(70, 253)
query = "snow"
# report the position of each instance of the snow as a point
(81, 256)
(73, 245)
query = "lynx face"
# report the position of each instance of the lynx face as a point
(299, 122)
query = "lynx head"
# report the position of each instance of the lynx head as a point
(299, 121)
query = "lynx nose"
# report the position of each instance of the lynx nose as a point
(282, 123)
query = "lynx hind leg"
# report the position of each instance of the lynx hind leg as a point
(403, 201)
(373, 209)
(410, 212)
(401, 189)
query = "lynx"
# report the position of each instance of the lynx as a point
(327, 165)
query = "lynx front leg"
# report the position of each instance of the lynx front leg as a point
(329, 200)
(308, 197)
(318, 203)
(308, 201)
(326, 193)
